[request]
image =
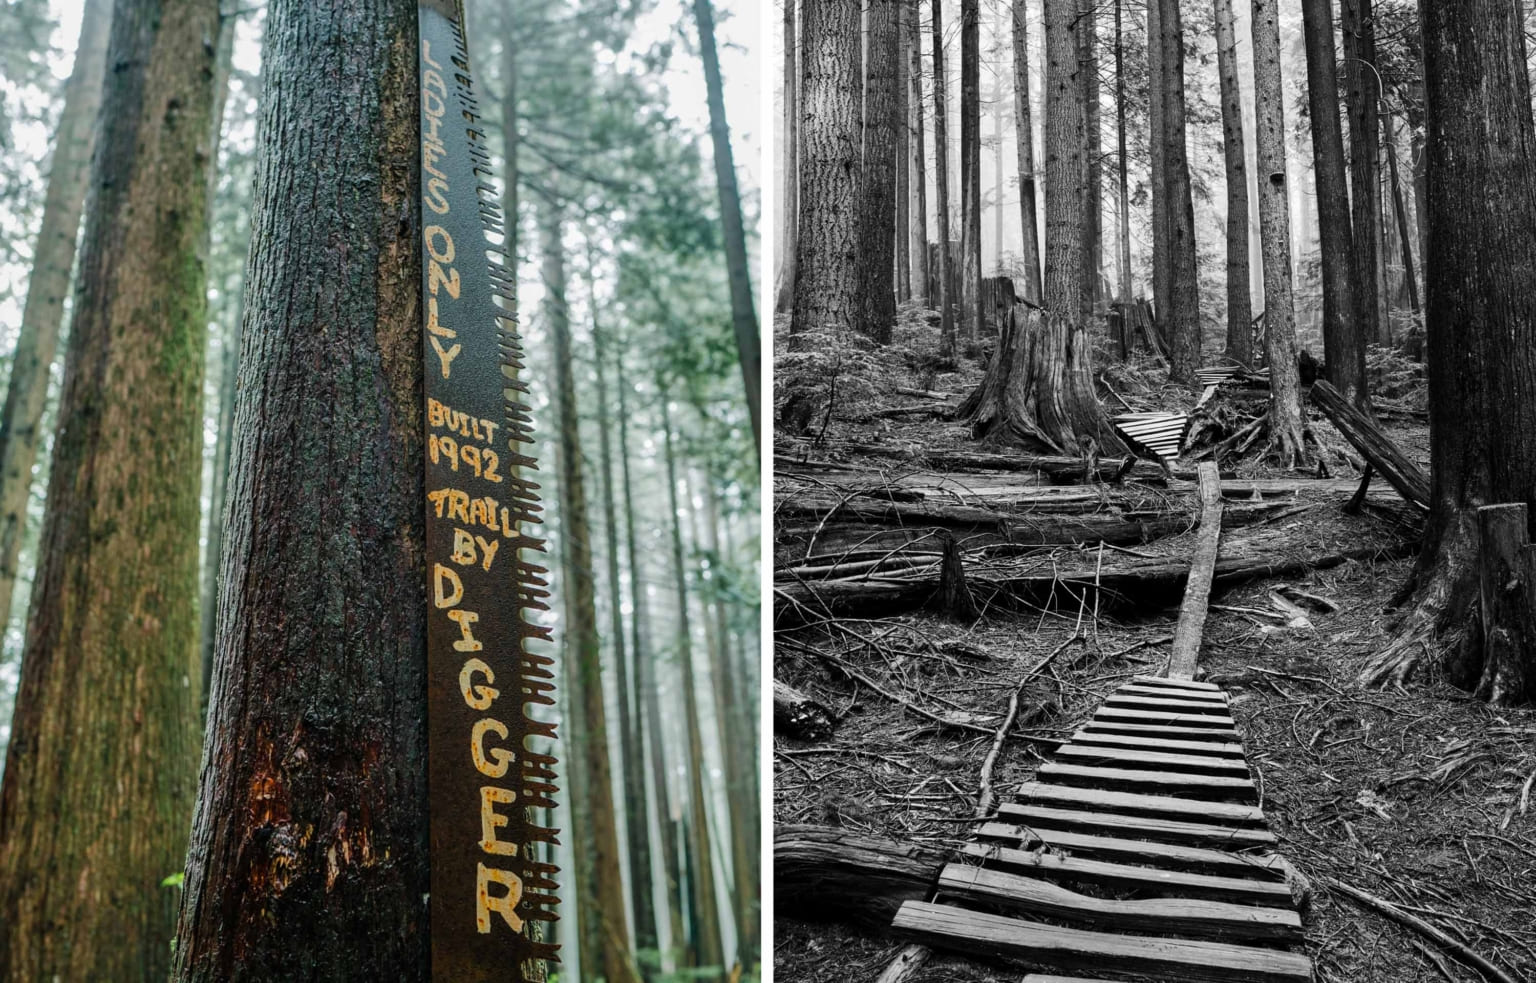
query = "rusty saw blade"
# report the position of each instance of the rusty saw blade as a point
(492, 897)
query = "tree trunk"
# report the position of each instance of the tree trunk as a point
(971, 314)
(1093, 188)
(102, 759)
(1183, 323)
(308, 777)
(877, 187)
(1404, 236)
(602, 891)
(53, 260)
(1376, 447)
(833, 874)
(789, 202)
(941, 185)
(1024, 137)
(708, 944)
(1481, 310)
(1066, 170)
(1123, 166)
(1162, 275)
(827, 241)
(1239, 298)
(918, 229)
(1274, 220)
(903, 123)
(1360, 100)
(1343, 339)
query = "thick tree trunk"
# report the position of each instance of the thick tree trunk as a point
(903, 123)
(1481, 310)
(102, 760)
(309, 778)
(1093, 187)
(971, 314)
(1024, 138)
(1162, 276)
(877, 187)
(1123, 163)
(1274, 219)
(1066, 169)
(941, 185)
(827, 240)
(1183, 321)
(918, 229)
(1361, 96)
(1343, 337)
(1239, 297)
(789, 204)
(53, 260)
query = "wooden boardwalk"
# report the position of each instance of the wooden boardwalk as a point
(1140, 851)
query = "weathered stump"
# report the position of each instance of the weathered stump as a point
(798, 715)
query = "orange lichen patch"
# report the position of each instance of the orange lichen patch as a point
(348, 847)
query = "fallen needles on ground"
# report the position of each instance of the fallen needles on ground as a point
(985, 795)
(1397, 914)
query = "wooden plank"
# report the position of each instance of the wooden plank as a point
(1136, 701)
(1163, 745)
(1202, 569)
(1170, 693)
(1151, 760)
(1188, 917)
(1164, 718)
(1178, 683)
(1139, 804)
(971, 932)
(1169, 883)
(1186, 832)
(1206, 788)
(1165, 856)
(1214, 734)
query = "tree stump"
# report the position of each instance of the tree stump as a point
(798, 715)
(954, 598)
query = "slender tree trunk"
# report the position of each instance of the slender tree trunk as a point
(1184, 313)
(1343, 343)
(941, 185)
(1162, 275)
(1274, 219)
(789, 202)
(970, 169)
(1093, 193)
(1123, 165)
(53, 260)
(1024, 137)
(877, 188)
(1404, 236)
(308, 778)
(1066, 169)
(1239, 299)
(101, 764)
(1361, 95)
(903, 119)
(918, 229)
(701, 861)
(827, 242)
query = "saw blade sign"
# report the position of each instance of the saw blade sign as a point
(487, 780)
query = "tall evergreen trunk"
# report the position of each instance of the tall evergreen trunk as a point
(1275, 229)
(877, 187)
(738, 273)
(1400, 210)
(102, 760)
(970, 169)
(1343, 339)
(941, 185)
(1481, 314)
(1123, 158)
(1093, 190)
(826, 296)
(53, 260)
(918, 229)
(1361, 97)
(1239, 298)
(1162, 270)
(1184, 295)
(1066, 166)
(1024, 137)
(789, 206)
(309, 779)
(604, 930)
(903, 123)
(709, 950)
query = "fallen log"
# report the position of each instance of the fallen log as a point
(1374, 445)
(1197, 589)
(798, 715)
(823, 873)
(1059, 467)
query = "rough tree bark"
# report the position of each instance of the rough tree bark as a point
(827, 241)
(1400, 210)
(1361, 94)
(1275, 230)
(903, 123)
(1093, 187)
(971, 313)
(877, 186)
(1343, 341)
(1239, 296)
(941, 184)
(53, 259)
(1481, 309)
(1066, 169)
(789, 202)
(1162, 277)
(1024, 138)
(1123, 158)
(102, 760)
(310, 779)
(918, 230)
(1183, 321)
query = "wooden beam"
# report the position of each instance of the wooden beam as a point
(1167, 856)
(1120, 757)
(1163, 718)
(1214, 734)
(1197, 589)
(1130, 877)
(1202, 788)
(1162, 745)
(1138, 804)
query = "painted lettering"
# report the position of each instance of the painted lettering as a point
(477, 696)
(505, 905)
(500, 758)
(491, 820)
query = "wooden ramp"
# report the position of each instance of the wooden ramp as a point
(1141, 851)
